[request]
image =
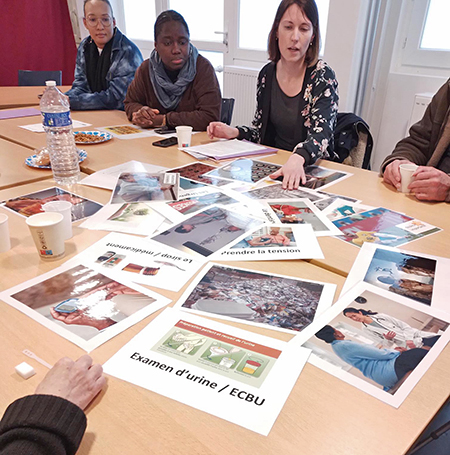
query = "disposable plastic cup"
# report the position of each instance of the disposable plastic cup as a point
(5, 242)
(65, 208)
(184, 134)
(47, 230)
(406, 172)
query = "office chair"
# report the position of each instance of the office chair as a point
(38, 78)
(226, 112)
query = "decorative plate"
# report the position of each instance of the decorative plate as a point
(91, 137)
(31, 160)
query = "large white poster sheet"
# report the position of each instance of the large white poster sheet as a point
(208, 232)
(145, 187)
(227, 372)
(131, 218)
(269, 243)
(420, 277)
(278, 302)
(141, 261)
(375, 342)
(382, 226)
(107, 178)
(298, 211)
(83, 305)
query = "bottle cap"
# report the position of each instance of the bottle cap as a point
(50, 83)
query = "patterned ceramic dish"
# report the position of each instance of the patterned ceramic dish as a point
(91, 137)
(31, 160)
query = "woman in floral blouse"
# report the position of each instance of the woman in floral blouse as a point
(297, 98)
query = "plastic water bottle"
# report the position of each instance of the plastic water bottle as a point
(61, 146)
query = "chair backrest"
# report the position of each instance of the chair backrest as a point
(226, 112)
(38, 78)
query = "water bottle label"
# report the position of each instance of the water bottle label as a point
(57, 118)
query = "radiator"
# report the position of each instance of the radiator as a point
(240, 83)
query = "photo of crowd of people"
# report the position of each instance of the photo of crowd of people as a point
(278, 301)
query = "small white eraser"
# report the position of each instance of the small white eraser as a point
(25, 371)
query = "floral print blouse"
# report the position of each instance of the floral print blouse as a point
(318, 115)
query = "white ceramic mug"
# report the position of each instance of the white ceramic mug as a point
(406, 172)
(5, 242)
(65, 208)
(47, 230)
(184, 134)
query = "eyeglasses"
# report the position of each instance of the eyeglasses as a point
(93, 21)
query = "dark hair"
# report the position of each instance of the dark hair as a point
(309, 9)
(326, 334)
(360, 299)
(168, 16)
(106, 1)
(357, 310)
(181, 230)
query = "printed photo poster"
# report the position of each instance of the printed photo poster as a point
(245, 170)
(329, 198)
(145, 187)
(83, 305)
(377, 343)
(184, 208)
(141, 261)
(278, 302)
(416, 276)
(107, 178)
(382, 226)
(320, 177)
(216, 368)
(30, 204)
(341, 208)
(208, 232)
(190, 188)
(275, 191)
(196, 171)
(270, 243)
(297, 212)
(131, 218)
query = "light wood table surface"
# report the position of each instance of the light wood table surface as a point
(14, 171)
(322, 415)
(15, 97)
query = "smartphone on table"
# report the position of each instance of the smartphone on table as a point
(166, 142)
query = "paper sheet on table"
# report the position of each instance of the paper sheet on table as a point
(278, 302)
(16, 113)
(107, 178)
(272, 243)
(142, 261)
(364, 361)
(38, 128)
(417, 276)
(220, 150)
(83, 305)
(216, 368)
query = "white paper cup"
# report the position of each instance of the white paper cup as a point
(406, 172)
(65, 208)
(5, 242)
(184, 134)
(47, 230)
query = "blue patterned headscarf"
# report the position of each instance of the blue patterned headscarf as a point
(169, 93)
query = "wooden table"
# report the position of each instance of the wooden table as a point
(322, 414)
(14, 97)
(14, 171)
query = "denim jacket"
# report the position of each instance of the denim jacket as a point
(125, 59)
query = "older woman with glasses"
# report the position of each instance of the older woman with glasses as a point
(106, 61)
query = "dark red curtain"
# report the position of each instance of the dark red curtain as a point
(36, 35)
